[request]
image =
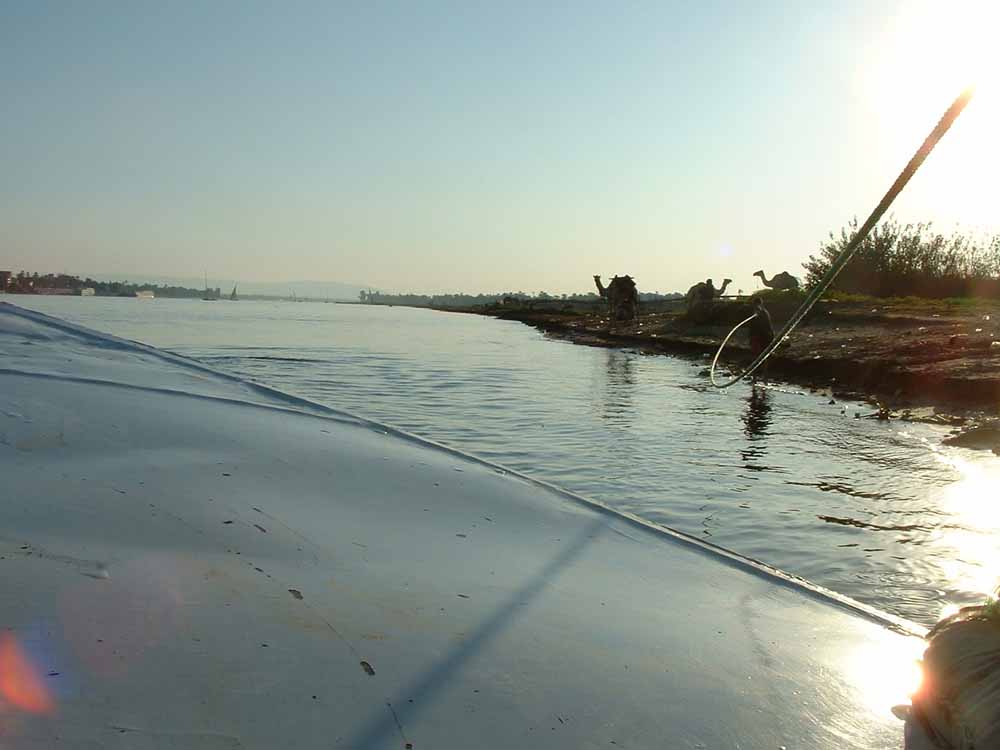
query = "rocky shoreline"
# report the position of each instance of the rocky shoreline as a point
(927, 360)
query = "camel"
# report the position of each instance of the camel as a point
(601, 289)
(622, 297)
(700, 297)
(781, 281)
(705, 291)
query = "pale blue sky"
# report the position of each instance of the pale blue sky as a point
(460, 145)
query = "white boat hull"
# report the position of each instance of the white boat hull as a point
(191, 561)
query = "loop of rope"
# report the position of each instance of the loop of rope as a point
(847, 253)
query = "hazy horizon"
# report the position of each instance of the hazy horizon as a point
(446, 148)
(303, 287)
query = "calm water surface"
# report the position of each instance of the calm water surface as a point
(880, 512)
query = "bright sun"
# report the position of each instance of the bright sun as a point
(932, 51)
(940, 48)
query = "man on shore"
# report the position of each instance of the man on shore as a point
(761, 330)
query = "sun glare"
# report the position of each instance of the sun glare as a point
(885, 671)
(975, 563)
(937, 49)
(931, 53)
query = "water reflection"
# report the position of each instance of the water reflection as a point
(973, 543)
(619, 388)
(757, 417)
(757, 423)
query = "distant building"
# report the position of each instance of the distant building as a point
(5, 277)
(53, 291)
(145, 294)
(87, 291)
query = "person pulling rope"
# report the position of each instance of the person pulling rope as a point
(946, 121)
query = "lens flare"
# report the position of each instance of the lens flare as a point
(20, 683)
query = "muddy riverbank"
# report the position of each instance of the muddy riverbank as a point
(907, 355)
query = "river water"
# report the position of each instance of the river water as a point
(879, 511)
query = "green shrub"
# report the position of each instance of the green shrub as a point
(900, 260)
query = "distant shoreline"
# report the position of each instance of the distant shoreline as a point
(190, 297)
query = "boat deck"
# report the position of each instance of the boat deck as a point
(192, 561)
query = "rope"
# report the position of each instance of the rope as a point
(946, 121)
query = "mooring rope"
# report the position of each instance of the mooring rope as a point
(847, 253)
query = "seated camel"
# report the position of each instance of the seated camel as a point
(705, 291)
(700, 298)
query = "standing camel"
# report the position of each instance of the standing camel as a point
(601, 289)
(781, 281)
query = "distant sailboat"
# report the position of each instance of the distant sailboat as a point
(232, 296)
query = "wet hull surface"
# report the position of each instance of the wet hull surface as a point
(193, 561)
